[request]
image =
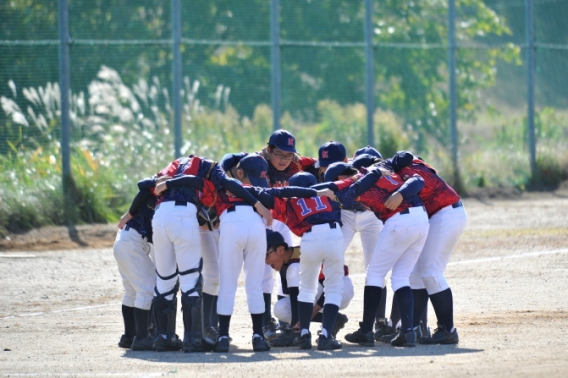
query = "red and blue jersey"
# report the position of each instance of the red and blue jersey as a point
(373, 193)
(436, 193)
(300, 214)
(279, 178)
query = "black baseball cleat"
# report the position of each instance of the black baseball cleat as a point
(305, 342)
(388, 337)
(340, 322)
(285, 338)
(259, 344)
(441, 336)
(125, 341)
(210, 334)
(362, 338)
(142, 344)
(194, 342)
(270, 329)
(222, 345)
(162, 344)
(404, 339)
(328, 343)
(383, 328)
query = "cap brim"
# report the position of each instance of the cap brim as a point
(322, 163)
(287, 148)
(260, 182)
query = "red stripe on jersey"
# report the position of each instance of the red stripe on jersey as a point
(375, 197)
(436, 193)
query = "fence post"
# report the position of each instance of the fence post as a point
(276, 79)
(64, 87)
(453, 90)
(369, 73)
(530, 56)
(176, 70)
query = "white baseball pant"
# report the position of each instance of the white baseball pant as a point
(446, 227)
(132, 254)
(323, 245)
(401, 241)
(177, 245)
(210, 254)
(283, 309)
(367, 225)
(242, 244)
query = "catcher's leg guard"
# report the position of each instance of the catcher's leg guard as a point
(192, 309)
(165, 312)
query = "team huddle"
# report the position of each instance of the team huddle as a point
(197, 223)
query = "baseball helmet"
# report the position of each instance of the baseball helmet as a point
(303, 179)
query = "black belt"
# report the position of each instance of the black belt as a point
(457, 204)
(233, 208)
(332, 225)
(407, 211)
(180, 203)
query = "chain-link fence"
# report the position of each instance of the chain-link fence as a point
(302, 60)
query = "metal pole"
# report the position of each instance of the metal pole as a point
(64, 86)
(453, 87)
(530, 56)
(176, 69)
(369, 73)
(276, 78)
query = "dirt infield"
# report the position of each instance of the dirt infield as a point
(60, 312)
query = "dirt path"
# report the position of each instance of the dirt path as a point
(60, 312)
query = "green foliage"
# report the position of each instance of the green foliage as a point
(121, 134)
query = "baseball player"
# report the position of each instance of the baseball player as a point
(316, 220)
(396, 203)
(132, 251)
(229, 163)
(356, 217)
(178, 247)
(283, 163)
(285, 260)
(447, 222)
(242, 241)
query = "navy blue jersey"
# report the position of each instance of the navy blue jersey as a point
(142, 210)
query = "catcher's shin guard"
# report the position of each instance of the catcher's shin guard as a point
(165, 312)
(192, 309)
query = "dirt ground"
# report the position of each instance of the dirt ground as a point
(61, 292)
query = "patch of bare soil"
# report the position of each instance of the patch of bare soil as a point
(61, 238)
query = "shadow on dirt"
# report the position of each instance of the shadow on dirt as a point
(237, 355)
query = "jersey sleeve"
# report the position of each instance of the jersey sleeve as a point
(306, 162)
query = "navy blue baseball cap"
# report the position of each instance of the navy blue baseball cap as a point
(329, 153)
(231, 160)
(273, 238)
(338, 169)
(283, 140)
(255, 167)
(303, 179)
(369, 151)
(364, 160)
